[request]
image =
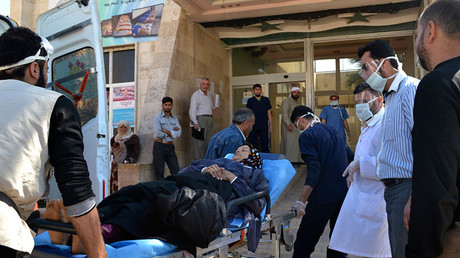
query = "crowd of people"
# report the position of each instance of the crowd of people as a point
(397, 195)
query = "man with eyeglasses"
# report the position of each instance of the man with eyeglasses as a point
(381, 70)
(40, 128)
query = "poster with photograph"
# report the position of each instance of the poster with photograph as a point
(129, 21)
(123, 104)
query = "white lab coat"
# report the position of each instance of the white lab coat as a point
(362, 228)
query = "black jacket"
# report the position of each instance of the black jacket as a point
(436, 147)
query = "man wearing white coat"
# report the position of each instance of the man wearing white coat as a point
(362, 227)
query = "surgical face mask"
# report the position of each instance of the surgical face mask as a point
(311, 124)
(334, 102)
(363, 111)
(375, 80)
(43, 44)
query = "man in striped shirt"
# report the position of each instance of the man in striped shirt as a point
(380, 69)
(201, 113)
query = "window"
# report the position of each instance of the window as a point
(69, 73)
(119, 74)
(119, 66)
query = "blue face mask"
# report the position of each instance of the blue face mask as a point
(334, 102)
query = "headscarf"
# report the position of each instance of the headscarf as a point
(128, 133)
(253, 160)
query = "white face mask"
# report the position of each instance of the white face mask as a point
(363, 111)
(376, 81)
(334, 102)
(311, 124)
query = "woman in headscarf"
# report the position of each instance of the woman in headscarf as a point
(125, 149)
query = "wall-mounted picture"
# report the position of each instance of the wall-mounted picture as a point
(131, 21)
(106, 28)
(123, 26)
(147, 20)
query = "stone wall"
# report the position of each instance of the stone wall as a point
(171, 67)
(26, 12)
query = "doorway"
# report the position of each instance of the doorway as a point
(279, 92)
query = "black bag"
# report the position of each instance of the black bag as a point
(199, 135)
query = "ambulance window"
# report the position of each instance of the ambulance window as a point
(69, 71)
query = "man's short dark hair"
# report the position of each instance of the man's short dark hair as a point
(445, 14)
(166, 99)
(16, 44)
(379, 49)
(256, 86)
(300, 111)
(364, 86)
(242, 115)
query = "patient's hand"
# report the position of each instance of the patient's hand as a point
(219, 173)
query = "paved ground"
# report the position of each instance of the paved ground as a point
(283, 206)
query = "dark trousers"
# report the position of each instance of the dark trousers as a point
(257, 137)
(7, 252)
(312, 227)
(162, 153)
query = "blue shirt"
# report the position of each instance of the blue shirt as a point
(395, 157)
(224, 142)
(334, 117)
(260, 108)
(162, 122)
(326, 155)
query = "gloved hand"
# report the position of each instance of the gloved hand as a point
(299, 209)
(352, 168)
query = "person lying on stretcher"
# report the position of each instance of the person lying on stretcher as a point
(186, 209)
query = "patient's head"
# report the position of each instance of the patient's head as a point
(248, 155)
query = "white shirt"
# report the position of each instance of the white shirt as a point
(200, 104)
(362, 228)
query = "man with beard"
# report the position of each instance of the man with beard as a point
(434, 226)
(380, 69)
(289, 135)
(261, 106)
(39, 126)
(167, 129)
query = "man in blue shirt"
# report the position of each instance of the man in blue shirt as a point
(336, 116)
(229, 139)
(380, 69)
(326, 155)
(167, 128)
(261, 106)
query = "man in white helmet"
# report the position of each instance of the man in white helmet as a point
(39, 128)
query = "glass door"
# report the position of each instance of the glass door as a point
(278, 93)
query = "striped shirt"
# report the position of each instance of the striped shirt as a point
(200, 104)
(395, 157)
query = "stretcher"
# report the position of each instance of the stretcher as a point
(279, 173)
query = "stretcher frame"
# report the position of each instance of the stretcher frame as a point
(277, 227)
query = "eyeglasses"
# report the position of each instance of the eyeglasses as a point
(365, 71)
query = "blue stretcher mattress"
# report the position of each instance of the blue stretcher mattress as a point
(278, 173)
